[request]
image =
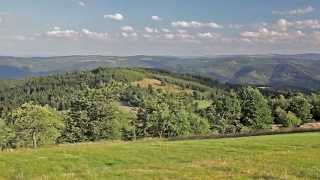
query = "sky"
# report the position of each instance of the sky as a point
(154, 27)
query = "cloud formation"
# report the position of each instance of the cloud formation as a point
(208, 35)
(156, 18)
(127, 29)
(300, 11)
(82, 3)
(267, 35)
(195, 24)
(151, 30)
(115, 17)
(165, 30)
(284, 24)
(57, 32)
(94, 35)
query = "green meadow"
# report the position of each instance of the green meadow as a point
(294, 156)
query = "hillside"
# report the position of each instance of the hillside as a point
(292, 156)
(280, 71)
(135, 103)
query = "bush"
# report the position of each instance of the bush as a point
(288, 119)
(35, 125)
(7, 136)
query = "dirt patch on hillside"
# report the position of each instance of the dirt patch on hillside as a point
(157, 84)
(146, 82)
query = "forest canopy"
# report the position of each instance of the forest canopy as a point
(131, 103)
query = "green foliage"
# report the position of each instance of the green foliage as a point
(36, 125)
(109, 104)
(287, 119)
(164, 115)
(256, 112)
(315, 102)
(224, 114)
(300, 106)
(7, 135)
(279, 103)
(93, 116)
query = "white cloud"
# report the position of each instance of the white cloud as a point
(266, 35)
(250, 34)
(127, 34)
(94, 35)
(261, 33)
(124, 34)
(185, 36)
(148, 36)
(156, 18)
(207, 35)
(18, 38)
(116, 17)
(165, 30)
(127, 28)
(134, 34)
(151, 30)
(182, 31)
(195, 24)
(283, 24)
(311, 23)
(300, 11)
(82, 3)
(300, 33)
(169, 36)
(57, 32)
(246, 40)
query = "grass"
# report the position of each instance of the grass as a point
(203, 104)
(294, 156)
(144, 83)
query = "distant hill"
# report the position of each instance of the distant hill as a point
(294, 71)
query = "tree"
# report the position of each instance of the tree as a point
(279, 103)
(198, 124)
(35, 124)
(93, 115)
(165, 115)
(315, 102)
(300, 106)
(224, 114)
(7, 135)
(160, 120)
(287, 119)
(256, 113)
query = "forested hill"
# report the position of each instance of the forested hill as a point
(130, 103)
(290, 71)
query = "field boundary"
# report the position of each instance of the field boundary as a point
(248, 134)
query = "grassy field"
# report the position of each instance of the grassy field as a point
(294, 156)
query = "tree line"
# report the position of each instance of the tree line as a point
(84, 106)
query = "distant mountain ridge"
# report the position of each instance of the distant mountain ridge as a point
(276, 70)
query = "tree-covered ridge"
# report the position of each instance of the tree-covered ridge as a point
(274, 71)
(93, 105)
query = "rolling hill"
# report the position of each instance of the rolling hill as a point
(293, 71)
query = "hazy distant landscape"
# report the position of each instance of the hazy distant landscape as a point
(291, 71)
(170, 89)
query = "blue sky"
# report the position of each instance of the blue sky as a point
(166, 27)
